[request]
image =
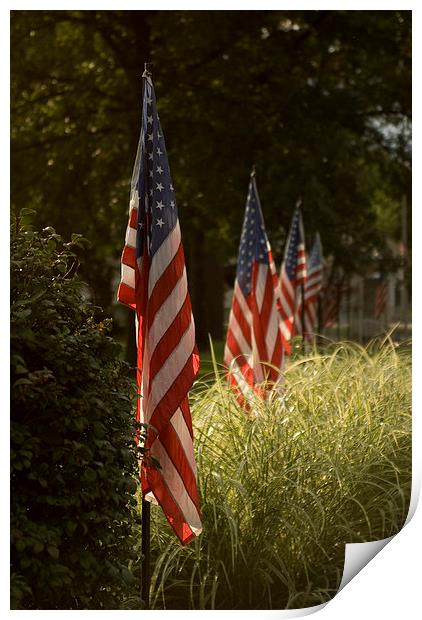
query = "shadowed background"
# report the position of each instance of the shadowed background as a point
(320, 101)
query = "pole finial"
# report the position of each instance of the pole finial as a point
(147, 69)
(299, 202)
(253, 173)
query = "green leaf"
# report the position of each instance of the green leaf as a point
(71, 527)
(23, 314)
(53, 551)
(38, 546)
(20, 544)
(22, 382)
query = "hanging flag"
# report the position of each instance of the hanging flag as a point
(292, 281)
(381, 299)
(313, 287)
(331, 298)
(253, 352)
(154, 284)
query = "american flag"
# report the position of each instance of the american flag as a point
(253, 335)
(313, 287)
(380, 299)
(154, 284)
(332, 297)
(292, 281)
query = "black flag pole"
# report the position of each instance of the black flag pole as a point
(146, 506)
(299, 205)
(302, 318)
(146, 552)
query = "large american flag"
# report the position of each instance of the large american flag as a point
(292, 281)
(313, 287)
(253, 352)
(154, 284)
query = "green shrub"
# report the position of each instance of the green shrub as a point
(73, 458)
(325, 463)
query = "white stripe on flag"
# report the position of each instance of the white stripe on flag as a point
(238, 335)
(168, 311)
(179, 425)
(243, 385)
(171, 368)
(272, 332)
(261, 281)
(128, 275)
(163, 257)
(131, 237)
(243, 303)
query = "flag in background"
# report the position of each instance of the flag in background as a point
(292, 281)
(253, 334)
(154, 284)
(332, 296)
(313, 287)
(381, 299)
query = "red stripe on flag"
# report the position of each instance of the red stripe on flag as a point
(129, 256)
(171, 442)
(153, 482)
(241, 320)
(126, 295)
(175, 394)
(133, 218)
(267, 303)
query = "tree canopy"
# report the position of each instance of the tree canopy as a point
(319, 101)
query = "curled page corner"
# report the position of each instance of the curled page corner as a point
(414, 495)
(357, 556)
(286, 613)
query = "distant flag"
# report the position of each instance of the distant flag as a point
(331, 300)
(253, 352)
(292, 281)
(313, 287)
(154, 284)
(381, 299)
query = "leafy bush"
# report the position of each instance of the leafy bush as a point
(325, 463)
(73, 458)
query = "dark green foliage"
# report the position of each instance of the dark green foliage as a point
(73, 458)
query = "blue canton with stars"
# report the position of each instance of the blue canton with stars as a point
(293, 242)
(157, 202)
(253, 242)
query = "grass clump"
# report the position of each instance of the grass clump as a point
(324, 463)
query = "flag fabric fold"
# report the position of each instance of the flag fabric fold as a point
(154, 284)
(313, 287)
(253, 352)
(292, 281)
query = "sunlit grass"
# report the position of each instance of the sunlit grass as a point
(326, 462)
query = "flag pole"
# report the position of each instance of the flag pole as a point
(299, 205)
(146, 552)
(319, 315)
(302, 318)
(146, 506)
